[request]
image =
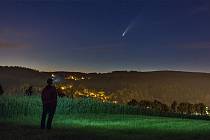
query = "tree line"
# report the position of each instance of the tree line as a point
(181, 108)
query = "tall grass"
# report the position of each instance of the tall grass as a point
(14, 106)
(11, 106)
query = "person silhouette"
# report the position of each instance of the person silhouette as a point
(49, 102)
(1, 90)
(29, 91)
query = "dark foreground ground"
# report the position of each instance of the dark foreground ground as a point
(89, 120)
(24, 132)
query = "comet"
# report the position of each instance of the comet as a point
(124, 33)
(130, 26)
(127, 29)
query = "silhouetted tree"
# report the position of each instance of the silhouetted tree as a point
(146, 104)
(174, 106)
(190, 108)
(182, 108)
(187, 108)
(200, 108)
(133, 102)
(1, 90)
(158, 106)
(164, 108)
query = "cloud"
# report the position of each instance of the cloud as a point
(195, 45)
(12, 45)
(12, 38)
(9, 31)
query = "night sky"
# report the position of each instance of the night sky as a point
(106, 35)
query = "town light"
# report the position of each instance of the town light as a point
(63, 88)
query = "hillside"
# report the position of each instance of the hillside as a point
(165, 86)
(15, 80)
(122, 86)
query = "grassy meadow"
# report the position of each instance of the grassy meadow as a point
(88, 119)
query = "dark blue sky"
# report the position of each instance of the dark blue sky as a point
(86, 35)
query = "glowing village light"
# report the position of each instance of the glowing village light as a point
(63, 88)
(207, 110)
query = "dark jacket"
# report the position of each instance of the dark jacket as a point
(49, 96)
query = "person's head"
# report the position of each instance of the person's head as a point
(30, 88)
(50, 81)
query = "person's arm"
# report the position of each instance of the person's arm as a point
(43, 96)
(56, 94)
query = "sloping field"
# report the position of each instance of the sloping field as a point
(103, 126)
(78, 119)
